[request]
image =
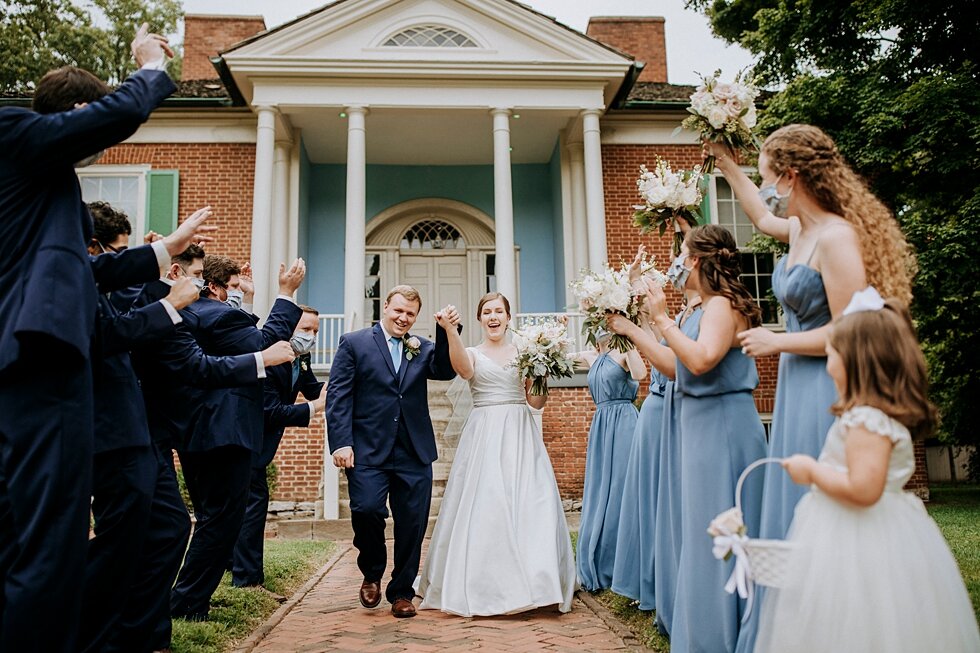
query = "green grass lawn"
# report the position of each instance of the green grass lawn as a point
(236, 612)
(956, 509)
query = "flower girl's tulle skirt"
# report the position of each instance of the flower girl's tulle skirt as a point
(868, 580)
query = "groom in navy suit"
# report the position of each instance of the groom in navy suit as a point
(377, 410)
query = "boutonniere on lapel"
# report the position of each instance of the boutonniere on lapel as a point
(412, 346)
(304, 364)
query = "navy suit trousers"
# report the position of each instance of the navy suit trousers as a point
(145, 624)
(247, 562)
(217, 480)
(45, 485)
(122, 492)
(405, 482)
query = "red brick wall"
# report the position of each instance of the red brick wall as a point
(206, 36)
(641, 37)
(217, 174)
(300, 463)
(565, 428)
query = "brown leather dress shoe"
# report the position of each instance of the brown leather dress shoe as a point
(370, 593)
(403, 608)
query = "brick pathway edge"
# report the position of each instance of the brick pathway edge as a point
(611, 620)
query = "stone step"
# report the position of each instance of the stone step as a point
(344, 508)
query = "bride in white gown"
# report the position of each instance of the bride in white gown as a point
(501, 543)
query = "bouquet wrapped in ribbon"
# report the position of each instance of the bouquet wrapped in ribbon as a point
(542, 351)
(668, 196)
(724, 112)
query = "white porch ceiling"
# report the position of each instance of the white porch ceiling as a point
(429, 136)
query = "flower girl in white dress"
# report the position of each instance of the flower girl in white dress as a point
(501, 543)
(872, 572)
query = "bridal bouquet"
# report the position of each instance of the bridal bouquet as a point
(668, 196)
(723, 112)
(601, 292)
(542, 351)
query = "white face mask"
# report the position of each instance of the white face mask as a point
(89, 160)
(235, 298)
(776, 203)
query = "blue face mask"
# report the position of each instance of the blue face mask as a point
(198, 283)
(302, 342)
(776, 203)
(235, 298)
(677, 274)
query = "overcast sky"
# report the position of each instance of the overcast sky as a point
(690, 45)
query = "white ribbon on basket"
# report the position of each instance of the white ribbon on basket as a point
(741, 578)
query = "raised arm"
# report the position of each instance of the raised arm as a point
(661, 357)
(459, 358)
(748, 194)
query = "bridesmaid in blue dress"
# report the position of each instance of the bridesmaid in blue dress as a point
(721, 433)
(613, 381)
(841, 238)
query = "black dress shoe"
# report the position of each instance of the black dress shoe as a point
(403, 608)
(370, 593)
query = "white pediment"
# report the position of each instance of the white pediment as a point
(356, 31)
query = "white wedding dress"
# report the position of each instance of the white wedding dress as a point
(501, 543)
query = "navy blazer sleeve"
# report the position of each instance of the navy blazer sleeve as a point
(340, 397)
(139, 327)
(184, 360)
(235, 331)
(127, 268)
(278, 413)
(440, 366)
(39, 140)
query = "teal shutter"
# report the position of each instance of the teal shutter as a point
(706, 205)
(161, 201)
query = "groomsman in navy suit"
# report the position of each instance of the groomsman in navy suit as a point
(225, 429)
(283, 384)
(380, 432)
(47, 319)
(164, 369)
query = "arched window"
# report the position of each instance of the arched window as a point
(432, 233)
(429, 36)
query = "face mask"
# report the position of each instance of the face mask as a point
(677, 274)
(776, 203)
(302, 342)
(198, 283)
(89, 160)
(235, 298)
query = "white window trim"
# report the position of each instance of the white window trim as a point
(138, 221)
(713, 202)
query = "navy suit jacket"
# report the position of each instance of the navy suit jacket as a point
(171, 365)
(366, 399)
(281, 410)
(231, 416)
(46, 283)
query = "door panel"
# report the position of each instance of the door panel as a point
(440, 280)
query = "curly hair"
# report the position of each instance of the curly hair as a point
(884, 367)
(720, 268)
(888, 261)
(219, 269)
(110, 223)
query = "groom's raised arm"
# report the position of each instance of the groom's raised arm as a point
(440, 365)
(340, 398)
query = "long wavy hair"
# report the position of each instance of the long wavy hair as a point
(720, 268)
(884, 367)
(889, 263)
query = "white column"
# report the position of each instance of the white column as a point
(580, 233)
(279, 244)
(292, 246)
(595, 208)
(505, 268)
(356, 221)
(261, 255)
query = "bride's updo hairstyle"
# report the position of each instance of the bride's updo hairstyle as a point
(489, 297)
(720, 268)
(807, 150)
(884, 367)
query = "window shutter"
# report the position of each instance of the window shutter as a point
(161, 201)
(706, 205)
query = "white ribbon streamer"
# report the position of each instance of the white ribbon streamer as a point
(741, 578)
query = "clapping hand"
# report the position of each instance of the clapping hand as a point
(636, 268)
(278, 353)
(247, 286)
(656, 301)
(148, 48)
(191, 230)
(758, 342)
(151, 237)
(183, 293)
(290, 280)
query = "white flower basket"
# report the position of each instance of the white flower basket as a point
(769, 560)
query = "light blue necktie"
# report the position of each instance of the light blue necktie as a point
(396, 354)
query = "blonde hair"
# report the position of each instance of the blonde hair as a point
(884, 366)
(409, 293)
(889, 263)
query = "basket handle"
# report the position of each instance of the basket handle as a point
(744, 475)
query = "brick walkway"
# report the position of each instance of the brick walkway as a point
(329, 618)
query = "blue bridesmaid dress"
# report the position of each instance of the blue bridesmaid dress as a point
(667, 547)
(721, 433)
(633, 574)
(613, 390)
(801, 415)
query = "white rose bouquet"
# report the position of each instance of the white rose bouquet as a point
(542, 351)
(668, 196)
(601, 292)
(724, 112)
